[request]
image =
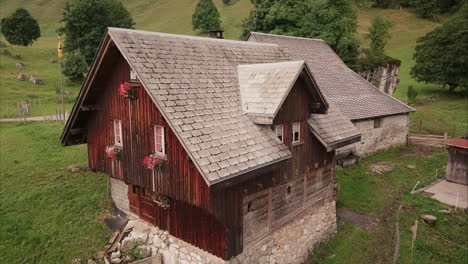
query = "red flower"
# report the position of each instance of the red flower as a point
(151, 161)
(124, 88)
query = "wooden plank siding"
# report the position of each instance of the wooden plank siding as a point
(189, 216)
(309, 174)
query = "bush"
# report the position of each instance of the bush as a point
(75, 67)
(20, 28)
(412, 94)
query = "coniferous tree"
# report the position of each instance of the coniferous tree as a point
(206, 16)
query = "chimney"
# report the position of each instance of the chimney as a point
(216, 34)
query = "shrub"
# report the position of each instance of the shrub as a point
(412, 94)
(75, 67)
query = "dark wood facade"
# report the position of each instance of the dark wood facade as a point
(213, 219)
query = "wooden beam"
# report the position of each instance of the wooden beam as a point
(78, 131)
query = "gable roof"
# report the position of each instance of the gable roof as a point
(193, 81)
(353, 95)
(265, 86)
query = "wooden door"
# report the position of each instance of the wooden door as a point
(147, 206)
(134, 198)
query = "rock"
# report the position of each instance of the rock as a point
(445, 211)
(67, 92)
(2, 44)
(17, 55)
(21, 77)
(430, 219)
(74, 169)
(91, 261)
(99, 255)
(411, 166)
(116, 260)
(116, 254)
(76, 261)
(53, 60)
(35, 79)
(19, 65)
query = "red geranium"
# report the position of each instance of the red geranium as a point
(152, 161)
(124, 89)
(112, 152)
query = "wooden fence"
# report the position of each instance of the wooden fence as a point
(428, 140)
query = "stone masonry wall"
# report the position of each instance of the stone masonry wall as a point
(119, 193)
(289, 244)
(393, 131)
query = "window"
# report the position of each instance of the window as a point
(133, 76)
(279, 132)
(159, 140)
(377, 122)
(296, 132)
(118, 133)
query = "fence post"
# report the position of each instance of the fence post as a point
(445, 138)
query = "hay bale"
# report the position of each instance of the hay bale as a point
(21, 77)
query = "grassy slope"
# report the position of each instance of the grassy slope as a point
(172, 16)
(378, 196)
(47, 214)
(450, 112)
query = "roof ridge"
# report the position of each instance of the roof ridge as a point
(272, 63)
(284, 36)
(162, 34)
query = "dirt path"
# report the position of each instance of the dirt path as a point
(34, 118)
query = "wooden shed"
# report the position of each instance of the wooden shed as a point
(457, 166)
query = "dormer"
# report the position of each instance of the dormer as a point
(264, 88)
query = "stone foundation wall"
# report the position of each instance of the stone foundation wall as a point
(393, 131)
(119, 194)
(291, 243)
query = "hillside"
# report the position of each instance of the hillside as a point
(174, 16)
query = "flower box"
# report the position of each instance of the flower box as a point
(113, 152)
(161, 200)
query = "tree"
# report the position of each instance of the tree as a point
(86, 22)
(206, 16)
(20, 28)
(412, 94)
(379, 33)
(75, 66)
(441, 56)
(331, 20)
(425, 8)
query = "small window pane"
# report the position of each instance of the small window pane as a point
(296, 132)
(159, 140)
(377, 123)
(279, 132)
(118, 132)
(133, 76)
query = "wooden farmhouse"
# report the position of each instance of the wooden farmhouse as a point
(457, 165)
(227, 145)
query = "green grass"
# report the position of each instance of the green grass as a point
(449, 110)
(378, 196)
(47, 214)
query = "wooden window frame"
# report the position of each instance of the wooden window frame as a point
(378, 123)
(133, 76)
(278, 128)
(298, 124)
(118, 127)
(163, 138)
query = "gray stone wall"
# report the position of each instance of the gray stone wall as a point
(291, 243)
(393, 131)
(119, 194)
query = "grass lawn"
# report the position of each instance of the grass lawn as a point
(378, 195)
(47, 214)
